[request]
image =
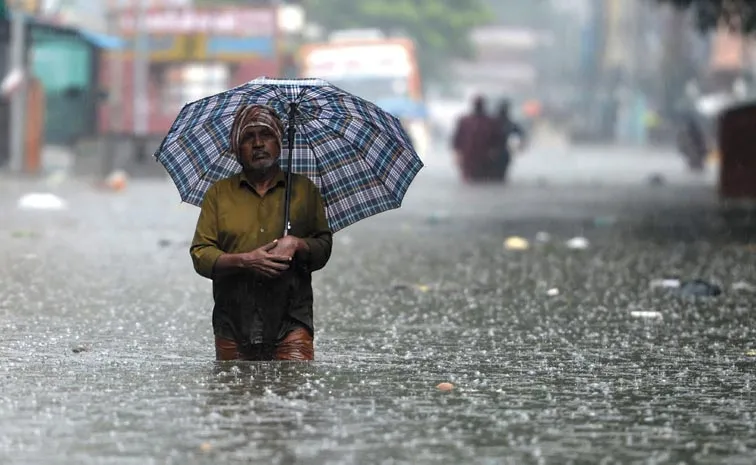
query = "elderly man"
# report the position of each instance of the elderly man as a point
(261, 281)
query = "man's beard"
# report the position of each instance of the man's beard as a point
(269, 166)
(263, 169)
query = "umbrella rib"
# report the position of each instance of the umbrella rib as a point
(390, 193)
(309, 144)
(279, 94)
(301, 94)
(374, 126)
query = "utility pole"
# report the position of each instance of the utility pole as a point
(115, 117)
(141, 77)
(19, 96)
(4, 56)
(141, 70)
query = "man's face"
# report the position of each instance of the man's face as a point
(259, 149)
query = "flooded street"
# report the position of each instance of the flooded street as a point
(108, 351)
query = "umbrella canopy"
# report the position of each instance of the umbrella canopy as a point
(358, 155)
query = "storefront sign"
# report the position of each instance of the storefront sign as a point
(229, 21)
(355, 60)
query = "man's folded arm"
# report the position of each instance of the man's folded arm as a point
(319, 242)
(319, 250)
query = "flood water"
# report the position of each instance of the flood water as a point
(107, 351)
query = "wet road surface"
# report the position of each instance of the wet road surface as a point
(107, 346)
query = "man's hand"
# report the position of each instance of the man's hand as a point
(266, 260)
(288, 246)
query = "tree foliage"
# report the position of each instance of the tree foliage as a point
(440, 28)
(738, 15)
(519, 13)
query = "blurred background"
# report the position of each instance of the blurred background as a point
(110, 76)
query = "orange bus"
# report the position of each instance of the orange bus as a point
(376, 68)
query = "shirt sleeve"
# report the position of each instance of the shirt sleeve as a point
(204, 249)
(320, 240)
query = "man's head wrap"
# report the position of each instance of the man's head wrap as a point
(254, 115)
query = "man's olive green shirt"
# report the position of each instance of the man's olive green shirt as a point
(235, 219)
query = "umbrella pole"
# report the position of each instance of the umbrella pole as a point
(290, 137)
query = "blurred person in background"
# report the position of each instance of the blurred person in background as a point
(512, 138)
(476, 143)
(691, 141)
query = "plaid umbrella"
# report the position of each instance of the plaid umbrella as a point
(359, 156)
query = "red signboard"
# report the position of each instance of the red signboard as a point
(249, 22)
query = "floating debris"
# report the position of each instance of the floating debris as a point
(117, 180)
(751, 353)
(411, 287)
(646, 314)
(742, 286)
(516, 243)
(80, 349)
(445, 387)
(205, 447)
(666, 283)
(689, 288)
(699, 288)
(578, 243)
(552, 292)
(41, 201)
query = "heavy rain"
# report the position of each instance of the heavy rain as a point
(583, 293)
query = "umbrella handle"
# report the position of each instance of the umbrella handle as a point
(290, 136)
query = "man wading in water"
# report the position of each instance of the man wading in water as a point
(262, 284)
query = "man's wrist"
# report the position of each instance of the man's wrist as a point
(302, 245)
(233, 261)
(240, 262)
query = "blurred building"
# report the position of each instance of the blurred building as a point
(504, 62)
(60, 72)
(529, 54)
(635, 59)
(29, 6)
(731, 64)
(190, 52)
